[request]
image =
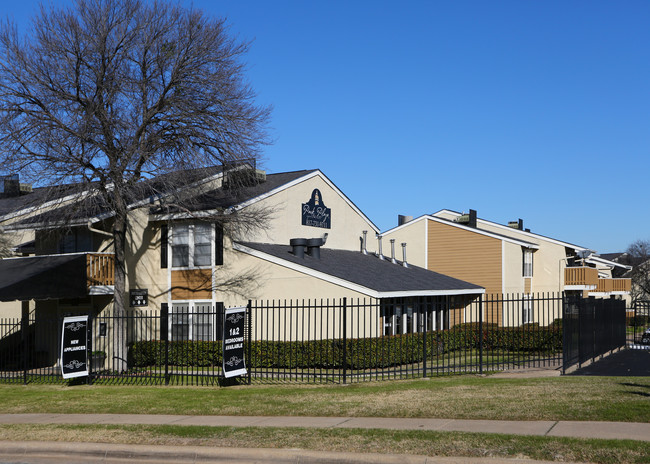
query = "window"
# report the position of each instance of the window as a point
(191, 245)
(74, 241)
(194, 321)
(528, 263)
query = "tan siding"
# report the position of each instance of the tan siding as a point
(465, 255)
(192, 284)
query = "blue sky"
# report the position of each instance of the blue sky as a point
(537, 110)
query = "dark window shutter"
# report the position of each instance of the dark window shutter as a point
(164, 321)
(219, 310)
(164, 242)
(218, 244)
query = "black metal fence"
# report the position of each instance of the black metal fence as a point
(639, 322)
(592, 328)
(337, 341)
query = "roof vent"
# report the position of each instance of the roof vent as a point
(311, 245)
(392, 251)
(298, 246)
(380, 255)
(404, 263)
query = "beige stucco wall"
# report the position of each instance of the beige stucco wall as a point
(286, 222)
(513, 280)
(414, 234)
(143, 259)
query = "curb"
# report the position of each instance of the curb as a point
(113, 453)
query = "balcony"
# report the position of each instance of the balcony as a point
(100, 269)
(580, 278)
(608, 287)
(74, 275)
(622, 286)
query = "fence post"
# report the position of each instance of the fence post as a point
(480, 334)
(345, 328)
(24, 328)
(164, 333)
(423, 329)
(565, 323)
(250, 338)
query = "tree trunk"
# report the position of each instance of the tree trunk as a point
(119, 309)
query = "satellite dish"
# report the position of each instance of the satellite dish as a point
(584, 254)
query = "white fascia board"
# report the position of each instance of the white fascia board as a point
(522, 232)
(346, 283)
(530, 245)
(605, 262)
(503, 238)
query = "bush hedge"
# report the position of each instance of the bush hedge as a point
(361, 353)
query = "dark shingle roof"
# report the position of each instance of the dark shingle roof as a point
(369, 271)
(224, 198)
(94, 207)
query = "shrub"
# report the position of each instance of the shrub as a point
(360, 353)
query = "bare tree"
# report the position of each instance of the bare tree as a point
(5, 245)
(638, 256)
(111, 93)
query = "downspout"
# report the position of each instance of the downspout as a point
(98, 231)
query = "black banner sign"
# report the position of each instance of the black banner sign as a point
(233, 342)
(74, 350)
(139, 297)
(315, 213)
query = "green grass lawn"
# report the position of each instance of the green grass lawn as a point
(459, 397)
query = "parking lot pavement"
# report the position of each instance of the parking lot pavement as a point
(628, 362)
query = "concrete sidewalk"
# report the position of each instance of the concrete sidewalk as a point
(577, 429)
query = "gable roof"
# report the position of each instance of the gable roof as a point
(366, 274)
(486, 233)
(208, 203)
(274, 183)
(523, 233)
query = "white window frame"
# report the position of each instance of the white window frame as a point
(192, 306)
(191, 245)
(528, 262)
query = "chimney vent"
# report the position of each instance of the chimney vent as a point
(392, 251)
(401, 220)
(364, 247)
(404, 263)
(472, 218)
(519, 224)
(468, 219)
(380, 255)
(313, 247)
(298, 247)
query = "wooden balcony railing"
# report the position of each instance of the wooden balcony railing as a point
(100, 269)
(622, 285)
(604, 286)
(586, 278)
